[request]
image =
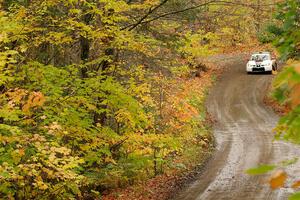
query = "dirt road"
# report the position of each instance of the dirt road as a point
(244, 139)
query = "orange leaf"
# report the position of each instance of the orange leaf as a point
(297, 68)
(295, 95)
(21, 152)
(35, 99)
(296, 184)
(278, 179)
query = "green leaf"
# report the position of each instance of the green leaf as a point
(289, 162)
(295, 196)
(261, 169)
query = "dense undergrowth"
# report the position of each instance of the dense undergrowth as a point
(196, 137)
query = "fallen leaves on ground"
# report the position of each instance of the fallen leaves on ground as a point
(278, 179)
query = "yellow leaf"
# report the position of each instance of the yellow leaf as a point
(110, 160)
(278, 179)
(274, 72)
(297, 68)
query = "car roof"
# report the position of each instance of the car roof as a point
(258, 53)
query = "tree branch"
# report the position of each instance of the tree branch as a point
(151, 10)
(215, 2)
(178, 11)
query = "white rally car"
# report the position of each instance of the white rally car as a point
(261, 62)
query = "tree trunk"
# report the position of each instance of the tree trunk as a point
(85, 46)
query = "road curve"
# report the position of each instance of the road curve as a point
(244, 137)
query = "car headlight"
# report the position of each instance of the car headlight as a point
(267, 65)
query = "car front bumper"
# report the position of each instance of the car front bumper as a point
(259, 69)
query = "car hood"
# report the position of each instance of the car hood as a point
(266, 62)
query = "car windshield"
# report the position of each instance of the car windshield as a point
(260, 57)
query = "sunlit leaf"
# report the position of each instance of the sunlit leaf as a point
(261, 169)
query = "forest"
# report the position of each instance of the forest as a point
(97, 95)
